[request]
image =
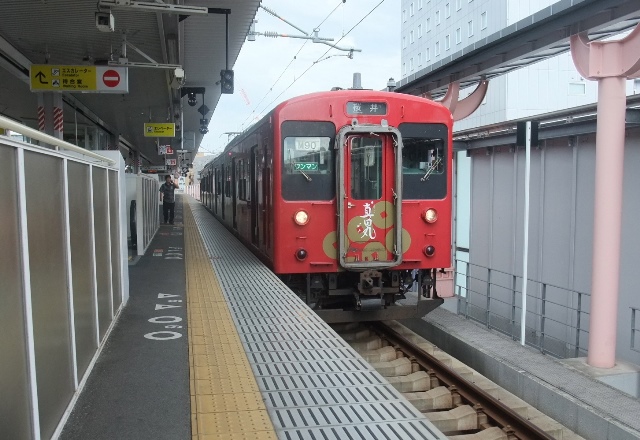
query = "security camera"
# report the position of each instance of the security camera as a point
(178, 78)
(105, 21)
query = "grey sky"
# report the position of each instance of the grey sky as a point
(263, 61)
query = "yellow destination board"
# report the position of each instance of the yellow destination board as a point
(63, 78)
(159, 129)
(97, 79)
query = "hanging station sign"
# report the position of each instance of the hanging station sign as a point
(85, 79)
(159, 129)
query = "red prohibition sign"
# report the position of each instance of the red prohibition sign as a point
(111, 78)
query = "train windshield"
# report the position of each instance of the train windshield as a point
(308, 161)
(424, 161)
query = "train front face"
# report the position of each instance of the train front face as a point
(365, 180)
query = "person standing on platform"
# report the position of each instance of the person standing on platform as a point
(168, 198)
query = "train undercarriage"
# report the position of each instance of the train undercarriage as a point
(369, 295)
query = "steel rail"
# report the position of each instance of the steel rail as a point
(482, 401)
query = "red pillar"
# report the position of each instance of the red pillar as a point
(610, 63)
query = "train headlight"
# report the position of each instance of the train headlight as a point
(301, 218)
(429, 251)
(430, 215)
(301, 254)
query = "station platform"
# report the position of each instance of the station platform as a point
(566, 390)
(212, 345)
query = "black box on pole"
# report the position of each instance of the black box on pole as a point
(521, 133)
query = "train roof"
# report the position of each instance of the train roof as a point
(330, 94)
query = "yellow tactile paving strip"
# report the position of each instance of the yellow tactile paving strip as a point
(226, 403)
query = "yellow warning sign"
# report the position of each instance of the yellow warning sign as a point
(159, 129)
(63, 78)
(96, 79)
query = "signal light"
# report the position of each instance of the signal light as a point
(226, 81)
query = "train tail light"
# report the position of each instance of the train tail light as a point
(301, 218)
(430, 215)
(429, 251)
(301, 254)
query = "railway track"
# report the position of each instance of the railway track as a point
(463, 404)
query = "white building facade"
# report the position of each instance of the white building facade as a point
(434, 29)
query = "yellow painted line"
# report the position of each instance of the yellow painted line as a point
(226, 403)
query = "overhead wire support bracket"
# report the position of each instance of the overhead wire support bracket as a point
(313, 37)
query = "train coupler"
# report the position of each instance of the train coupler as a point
(370, 283)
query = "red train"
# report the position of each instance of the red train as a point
(346, 195)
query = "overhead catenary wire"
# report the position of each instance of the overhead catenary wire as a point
(321, 57)
(290, 62)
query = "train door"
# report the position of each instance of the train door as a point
(267, 198)
(234, 193)
(215, 189)
(254, 195)
(370, 176)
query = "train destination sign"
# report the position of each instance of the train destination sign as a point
(85, 79)
(366, 108)
(159, 129)
(310, 166)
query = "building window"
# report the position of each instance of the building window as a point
(483, 20)
(577, 88)
(419, 59)
(411, 37)
(470, 28)
(411, 9)
(437, 17)
(404, 15)
(419, 4)
(404, 42)
(427, 54)
(428, 25)
(411, 64)
(447, 10)
(419, 31)
(458, 5)
(447, 42)
(437, 48)
(404, 69)
(458, 36)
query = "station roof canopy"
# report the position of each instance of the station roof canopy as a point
(64, 32)
(539, 36)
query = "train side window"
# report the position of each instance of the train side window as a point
(218, 182)
(227, 181)
(238, 182)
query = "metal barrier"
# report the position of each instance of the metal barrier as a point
(63, 277)
(493, 298)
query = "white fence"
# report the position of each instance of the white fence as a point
(145, 217)
(194, 191)
(63, 277)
